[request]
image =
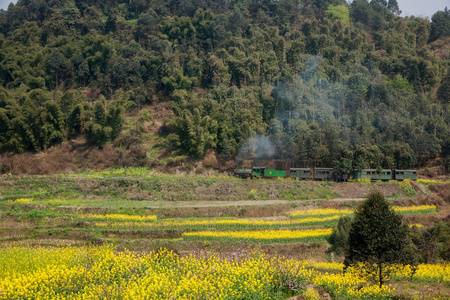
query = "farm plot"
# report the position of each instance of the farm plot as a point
(244, 230)
(99, 272)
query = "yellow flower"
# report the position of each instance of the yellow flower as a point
(262, 235)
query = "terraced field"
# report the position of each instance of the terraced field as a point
(95, 244)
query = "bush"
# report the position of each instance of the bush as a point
(339, 238)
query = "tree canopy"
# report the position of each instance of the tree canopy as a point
(324, 81)
(377, 237)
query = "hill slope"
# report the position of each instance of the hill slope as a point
(298, 83)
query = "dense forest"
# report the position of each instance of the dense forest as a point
(325, 82)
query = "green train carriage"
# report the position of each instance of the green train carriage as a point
(301, 173)
(405, 174)
(373, 174)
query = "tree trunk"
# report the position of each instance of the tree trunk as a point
(380, 274)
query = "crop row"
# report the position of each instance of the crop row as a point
(222, 224)
(118, 218)
(421, 209)
(316, 217)
(262, 236)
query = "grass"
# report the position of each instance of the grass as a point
(139, 184)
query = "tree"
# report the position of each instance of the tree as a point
(56, 64)
(339, 12)
(393, 7)
(343, 167)
(105, 124)
(443, 92)
(440, 25)
(339, 237)
(50, 123)
(378, 238)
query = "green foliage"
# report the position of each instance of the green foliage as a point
(443, 92)
(432, 243)
(447, 163)
(106, 124)
(194, 134)
(339, 238)
(440, 25)
(392, 5)
(344, 165)
(318, 78)
(377, 236)
(339, 12)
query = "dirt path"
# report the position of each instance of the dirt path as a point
(178, 204)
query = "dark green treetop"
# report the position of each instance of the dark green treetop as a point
(378, 237)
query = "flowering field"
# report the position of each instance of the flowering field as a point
(118, 218)
(406, 210)
(266, 236)
(299, 218)
(222, 224)
(104, 273)
(430, 273)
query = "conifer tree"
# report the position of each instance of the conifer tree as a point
(378, 238)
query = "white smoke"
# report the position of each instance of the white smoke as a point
(257, 148)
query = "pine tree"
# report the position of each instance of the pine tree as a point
(378, 238)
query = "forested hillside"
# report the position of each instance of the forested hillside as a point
(306, 82)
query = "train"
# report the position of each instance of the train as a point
(329, 174)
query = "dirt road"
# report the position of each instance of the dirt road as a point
(178, 204)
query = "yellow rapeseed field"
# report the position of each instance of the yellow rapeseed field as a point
(102, 273)
(261, 235)
(320, 212)
(342, 212)
(22, 200)
(414, 209)
(86, 273)
(119, 217)
(433, 273)
(223, 223)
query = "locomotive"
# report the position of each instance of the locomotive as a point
(326, 174)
